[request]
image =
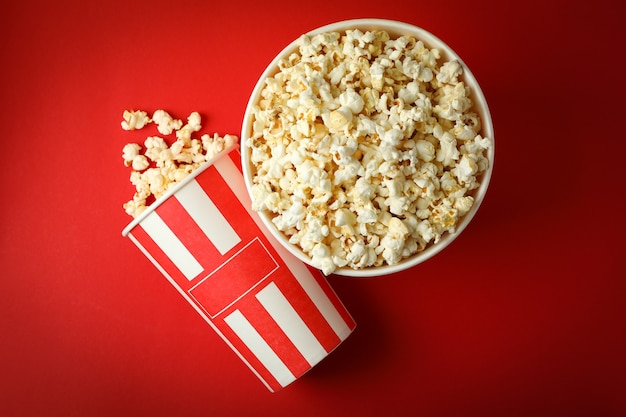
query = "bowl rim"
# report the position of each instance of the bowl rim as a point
(395, 28)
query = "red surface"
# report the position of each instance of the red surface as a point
(524, 315)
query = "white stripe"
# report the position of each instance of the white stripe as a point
(163, 236)
(291, 323)
(319, 297)
(259, 347)
(234, 179)
(208, 217)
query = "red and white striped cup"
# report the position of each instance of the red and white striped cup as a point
(279, 317)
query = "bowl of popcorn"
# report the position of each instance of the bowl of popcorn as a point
(367, 147)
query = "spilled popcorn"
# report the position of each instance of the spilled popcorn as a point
(160, 166)
(365, 149)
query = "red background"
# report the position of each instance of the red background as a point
(523, 315)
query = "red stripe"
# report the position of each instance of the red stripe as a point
(247, 354)
(191, 236)
(158, 255)
(236, 158)
(273, 335)
(305, 308)
(228, 204)
(332, 296)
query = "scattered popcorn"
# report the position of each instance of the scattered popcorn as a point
(130, 152)
(161, 165)
(365, 149)
(165, 123)
(134, 119)
(193, 125)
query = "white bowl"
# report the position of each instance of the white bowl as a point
(395, 29)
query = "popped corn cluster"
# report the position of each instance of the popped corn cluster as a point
(365, 149)
(161, 166)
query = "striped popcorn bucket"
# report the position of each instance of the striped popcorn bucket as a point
(280, 318)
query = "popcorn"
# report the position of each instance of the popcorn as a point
(394, 240)
(425, 150)
(166, 124)
(162, 166)
(365, 149)
(134, 119)
(129, 153)
(447, 152)
(193, 125)
(450, 72)
(322, 259)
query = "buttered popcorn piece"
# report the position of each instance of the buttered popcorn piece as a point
(166, 124)
(365, 149)
(193, 125)
(161, 165)
(134, 119)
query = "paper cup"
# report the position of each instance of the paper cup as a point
(279, 317)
